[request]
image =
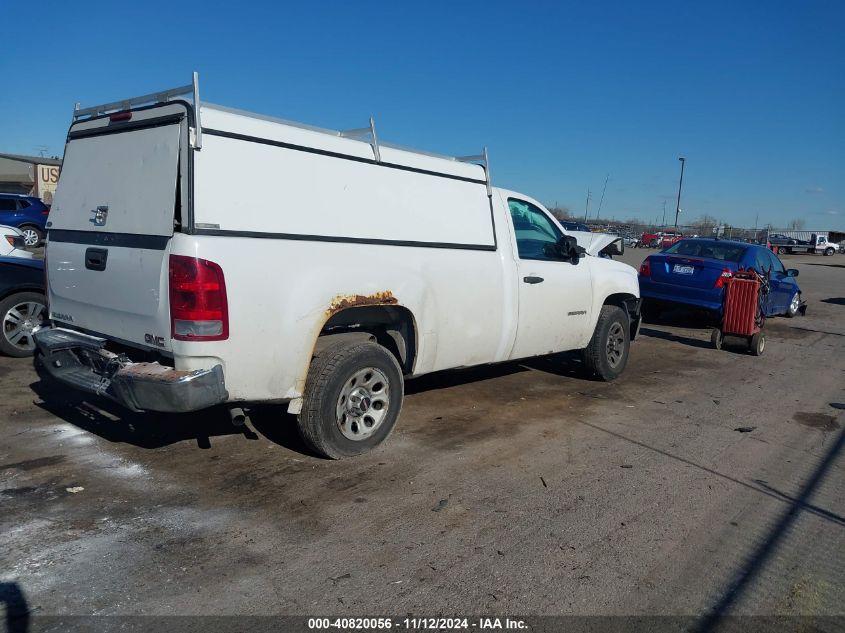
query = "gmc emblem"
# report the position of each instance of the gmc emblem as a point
(158, 341)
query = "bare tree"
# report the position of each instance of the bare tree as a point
(705, 224)
(796, 225)
(561, 213)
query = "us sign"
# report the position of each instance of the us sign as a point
(46, 179)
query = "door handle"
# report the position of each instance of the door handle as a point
(95, 258)
(532, 279)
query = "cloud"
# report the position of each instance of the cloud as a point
(814, 190)
(831, 212)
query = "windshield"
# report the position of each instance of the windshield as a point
(723, 251)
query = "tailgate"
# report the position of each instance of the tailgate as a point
(111, 223)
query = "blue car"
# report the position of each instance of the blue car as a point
(692, 272)
(27, 214)
(569, 225)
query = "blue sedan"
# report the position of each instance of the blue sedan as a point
(27, 214)
(692, 272)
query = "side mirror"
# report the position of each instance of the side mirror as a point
(567, 247)
(791, 272)
(617, 247)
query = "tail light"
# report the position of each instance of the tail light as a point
(198, 306)
(727, 273)
(120, 116)
(645, 268)
(15, 241)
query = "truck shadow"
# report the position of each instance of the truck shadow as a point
(113, 423)
(837, 301)
(566, 364)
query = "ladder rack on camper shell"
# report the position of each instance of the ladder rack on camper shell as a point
(360, 134)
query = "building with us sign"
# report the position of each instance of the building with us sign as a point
(29, 175)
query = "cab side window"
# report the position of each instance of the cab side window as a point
(536, 234)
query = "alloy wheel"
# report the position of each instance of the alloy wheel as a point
(20, 324)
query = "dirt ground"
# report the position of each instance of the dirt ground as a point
(515, 489)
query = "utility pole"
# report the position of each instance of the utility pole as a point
(680, 184)
(587, 208)
(601, 200)
(664, 213)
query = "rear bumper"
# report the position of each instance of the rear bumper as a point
(706, 298)
(82, 362)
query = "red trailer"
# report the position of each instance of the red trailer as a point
(743, 315)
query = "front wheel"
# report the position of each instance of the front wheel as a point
(828, 252)
(607, 353)
(353, 395)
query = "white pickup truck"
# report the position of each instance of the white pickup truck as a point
(175, 286)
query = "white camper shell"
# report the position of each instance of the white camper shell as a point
(173, 286)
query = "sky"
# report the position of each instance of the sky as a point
(563, 94)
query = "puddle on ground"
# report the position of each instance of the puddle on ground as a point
(32, 464)
(819, 421)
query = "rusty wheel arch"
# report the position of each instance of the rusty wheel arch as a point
(378, 314)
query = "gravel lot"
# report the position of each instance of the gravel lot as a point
(512, 489)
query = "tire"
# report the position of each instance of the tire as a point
(781, 250)
(32, 235)
(757, 344)
(794, 305)
(21, 315)
(828, 252)
(364, 373)
(716, 339)
(607, 354)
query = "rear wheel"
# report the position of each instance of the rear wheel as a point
(781, 250)
(607, 353)
(758, 344)
(22, 315)
(353, 395)
(32, 236)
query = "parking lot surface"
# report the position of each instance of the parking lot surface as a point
(521, 488)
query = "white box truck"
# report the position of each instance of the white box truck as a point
(173, 286)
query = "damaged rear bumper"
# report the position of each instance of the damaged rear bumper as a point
(82, 362)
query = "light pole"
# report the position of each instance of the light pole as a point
(680, 184)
